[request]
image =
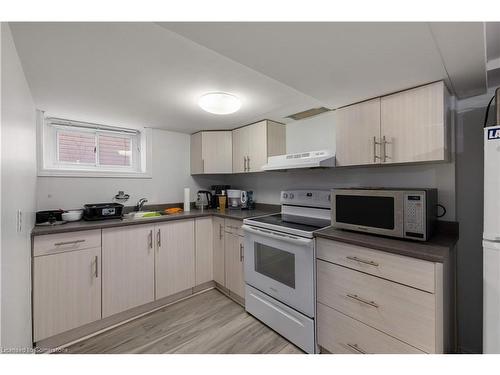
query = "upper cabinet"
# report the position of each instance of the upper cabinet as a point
(211, 152)
(357, 133)
(409, 126)
(253, 144)
(414, 125)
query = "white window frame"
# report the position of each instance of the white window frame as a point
(50, 166)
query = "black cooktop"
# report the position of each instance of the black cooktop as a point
(303, 223)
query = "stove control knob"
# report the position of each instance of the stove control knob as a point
(285, 195)
(291, 195)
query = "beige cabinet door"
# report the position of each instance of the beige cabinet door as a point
(234, 252)
(413, 123)
(196, 154)
(257, 155)
(204, 245)
(127, 268)
(218, 249)
(175, 266)
(66, 291)
(217, 152)
(357, 134)
(240, 149)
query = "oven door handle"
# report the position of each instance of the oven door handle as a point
(278, 236)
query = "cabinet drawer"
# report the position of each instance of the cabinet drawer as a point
(405, 313)
(234, 226)
(60, 242)
(340, 334)
(405, 270)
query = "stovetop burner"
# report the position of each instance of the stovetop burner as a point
(302, 223)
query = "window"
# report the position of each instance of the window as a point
(71, 148)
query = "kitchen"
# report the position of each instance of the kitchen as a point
(203, 198)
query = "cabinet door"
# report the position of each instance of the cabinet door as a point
(174, 257)
(127, 268)
(240, 149)
(204, 250)
(257, 155)
(219, 258)
(196, 154)
(234, 251)
(66, 291)
(357, 134)
(413, 124)
(217, 151)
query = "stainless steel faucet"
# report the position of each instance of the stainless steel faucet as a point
(140, 204)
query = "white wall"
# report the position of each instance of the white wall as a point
(313, 134)
(171, 173)
(18, 157)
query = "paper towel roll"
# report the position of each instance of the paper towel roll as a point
(187, 200)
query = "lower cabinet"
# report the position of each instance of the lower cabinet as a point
(85, 276)
(204, 246)
(66, 291)
(175, 253)
(344, 335)
(218, 251)
(365, 303)
(128, 268)
(234, 251)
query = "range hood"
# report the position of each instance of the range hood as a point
(311, 159)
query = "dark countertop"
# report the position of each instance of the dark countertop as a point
(437, 249)
(99, 224)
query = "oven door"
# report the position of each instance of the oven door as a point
(372, 211)
(282, 266)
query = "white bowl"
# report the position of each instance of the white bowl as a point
(72, 215)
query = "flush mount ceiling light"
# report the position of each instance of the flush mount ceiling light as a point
(219, 103)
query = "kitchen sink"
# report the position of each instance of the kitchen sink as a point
(143, 215)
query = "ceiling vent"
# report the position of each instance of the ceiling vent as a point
(308, 113)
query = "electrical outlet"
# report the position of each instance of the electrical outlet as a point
(19, 221)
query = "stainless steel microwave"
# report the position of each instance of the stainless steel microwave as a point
(403, 213)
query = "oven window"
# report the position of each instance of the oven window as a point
(277, 264)
(367, 211)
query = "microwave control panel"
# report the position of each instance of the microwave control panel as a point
(414, 206)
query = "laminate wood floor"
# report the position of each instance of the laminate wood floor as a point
(206, 323)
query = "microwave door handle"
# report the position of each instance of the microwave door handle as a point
(276, 236)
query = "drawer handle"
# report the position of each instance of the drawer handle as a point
(68, 242)
(359, 299)
(369, 262)
(356, 348)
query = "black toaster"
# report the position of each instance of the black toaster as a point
(100, 211)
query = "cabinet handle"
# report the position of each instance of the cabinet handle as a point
(241, 253)
(248, 163)
(384, 144)
(375, 143)
(96, 266)
(356, 348)
(220, 231)
(202, 165)
(150, 239)
(68, 242)
(369, 262)
(158, 238)
(359, 299)
(245, 168)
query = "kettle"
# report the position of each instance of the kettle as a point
(204, 197)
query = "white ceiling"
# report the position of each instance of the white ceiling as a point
(140, 74)
(152, 74)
